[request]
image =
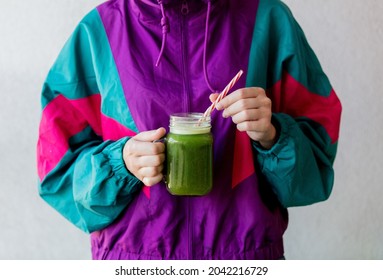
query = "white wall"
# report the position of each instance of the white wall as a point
(347, 36)
(31, 34)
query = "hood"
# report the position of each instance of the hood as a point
(168, 2)
(166, 26)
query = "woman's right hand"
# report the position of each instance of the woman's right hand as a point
(144, 158)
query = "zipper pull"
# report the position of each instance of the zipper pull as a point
(184, 7)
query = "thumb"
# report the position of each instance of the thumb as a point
(150, 135)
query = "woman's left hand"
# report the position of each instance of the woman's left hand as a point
(250, 110)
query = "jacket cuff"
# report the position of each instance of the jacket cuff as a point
(282, 124)
(119, 169)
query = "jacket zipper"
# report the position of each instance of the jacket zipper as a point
(184, 7)
(185, 75)
(184, 43)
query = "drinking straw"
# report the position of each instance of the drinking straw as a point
(223, 93)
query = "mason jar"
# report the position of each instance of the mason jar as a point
(189, 155)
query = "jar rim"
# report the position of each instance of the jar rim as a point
(190, 116)
(189, 123)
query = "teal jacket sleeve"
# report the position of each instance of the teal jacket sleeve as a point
(306, 110)
(81, 174)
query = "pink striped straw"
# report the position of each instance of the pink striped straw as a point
(223, 93)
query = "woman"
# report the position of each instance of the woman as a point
(127, 67)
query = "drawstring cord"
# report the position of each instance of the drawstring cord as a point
(205, 47)
(165, 30)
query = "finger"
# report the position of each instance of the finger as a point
(150, 171)
(245, 115)
(213, 97)
(239, 106)
(257, 126)
(151, 181)
(260, 102)
(138, 148)
(150, 135)
(151, 161)
(252, 115)
(235, 96)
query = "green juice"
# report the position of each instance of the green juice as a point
(189, 157)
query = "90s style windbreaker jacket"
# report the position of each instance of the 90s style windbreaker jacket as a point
(105, 87)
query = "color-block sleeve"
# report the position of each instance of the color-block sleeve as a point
(81, 175)
(306, 112)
